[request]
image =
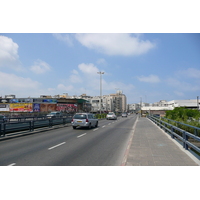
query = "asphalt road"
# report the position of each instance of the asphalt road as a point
(101, 146)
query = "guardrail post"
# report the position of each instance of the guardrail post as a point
(4, 129)
(30, 126)
(172, 130)
(195, 131)
(185, 139)
(50, 123)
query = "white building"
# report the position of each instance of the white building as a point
(113, 102)
(162, 106)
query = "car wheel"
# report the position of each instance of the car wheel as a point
(96, 124)
(89, 127)
(74, 127)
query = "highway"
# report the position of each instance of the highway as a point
(102, 146)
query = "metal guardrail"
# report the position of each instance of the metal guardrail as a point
(30, 125)
(183, 136)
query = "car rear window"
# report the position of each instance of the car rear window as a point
(78, 116)
(110, 113)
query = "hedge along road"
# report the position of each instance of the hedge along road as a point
(101, 146)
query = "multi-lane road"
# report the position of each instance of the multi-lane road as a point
(102, 146)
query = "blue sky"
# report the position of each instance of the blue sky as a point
(151, 66)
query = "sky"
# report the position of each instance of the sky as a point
(150, 53)
(149, 66)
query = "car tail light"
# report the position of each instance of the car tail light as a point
(72, 120)
(87, 120)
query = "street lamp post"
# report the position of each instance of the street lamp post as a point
(100, 89)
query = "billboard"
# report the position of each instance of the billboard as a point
(36, 107)
(69, 108)
(47, 107)
(21, 107)
(4, 107)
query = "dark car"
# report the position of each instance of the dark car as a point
(3, 119)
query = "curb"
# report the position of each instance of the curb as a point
(129, 145)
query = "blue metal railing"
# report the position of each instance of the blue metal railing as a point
(188, 140)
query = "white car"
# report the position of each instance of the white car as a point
(54, 115)
(111, 115)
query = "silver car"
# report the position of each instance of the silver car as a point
(84, 120)
(54, 115)
(124, 114)
(111, 115)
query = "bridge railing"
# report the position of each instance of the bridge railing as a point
(31, 125)
(188, 140)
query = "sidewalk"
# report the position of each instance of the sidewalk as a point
(150, 146)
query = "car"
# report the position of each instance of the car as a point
(111, 115)
(124, 114)
(84, 120)
(54, 115)
(3, 119)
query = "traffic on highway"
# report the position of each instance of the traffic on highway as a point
(101, 145)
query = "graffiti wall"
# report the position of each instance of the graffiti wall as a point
(69, 108)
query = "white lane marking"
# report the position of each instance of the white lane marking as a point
(109, 123)
(12, 164)
(95, 129)
(56, 145)
(81, 135)
(103, 126)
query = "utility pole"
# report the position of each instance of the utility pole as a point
(100, 89)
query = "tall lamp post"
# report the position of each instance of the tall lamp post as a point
(100, 89)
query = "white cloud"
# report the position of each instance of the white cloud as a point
(181, 94)
(9, 53)
(65, 88)
(40, 67)
(182, 86)
(101, 61)
(149, 79)
(64, 37)
(190, 73)
(115, 43)
(86, 74)
(16, 84)
(88, 68)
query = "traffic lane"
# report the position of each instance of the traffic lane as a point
(24, 148)
(105, 147)
(37, 155)
(21, 147)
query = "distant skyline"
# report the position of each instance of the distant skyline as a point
(154, 67)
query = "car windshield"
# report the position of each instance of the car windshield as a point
(80, 116)
(110, 113)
